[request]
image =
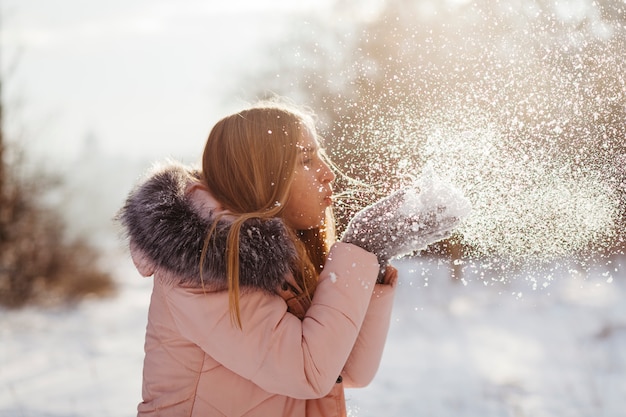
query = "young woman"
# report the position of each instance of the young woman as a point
(255, 309)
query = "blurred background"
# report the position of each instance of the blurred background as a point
(521, 105)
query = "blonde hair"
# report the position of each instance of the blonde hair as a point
(248, 165)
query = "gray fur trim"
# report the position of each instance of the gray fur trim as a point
(162, 223)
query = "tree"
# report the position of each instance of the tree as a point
(38, 262)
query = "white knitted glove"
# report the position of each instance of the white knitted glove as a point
(408, 220)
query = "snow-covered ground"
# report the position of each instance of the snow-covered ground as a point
(454, 349)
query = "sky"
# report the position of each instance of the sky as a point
(137, 77)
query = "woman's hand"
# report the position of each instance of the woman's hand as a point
(390, 276)
(408, 220)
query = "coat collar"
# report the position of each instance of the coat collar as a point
(167, 217)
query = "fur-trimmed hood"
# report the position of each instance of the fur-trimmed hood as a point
(165, 225)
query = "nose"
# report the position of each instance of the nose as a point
(326, 174)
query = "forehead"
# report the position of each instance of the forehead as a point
(308, 142)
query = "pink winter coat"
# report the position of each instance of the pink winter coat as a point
(197, 363)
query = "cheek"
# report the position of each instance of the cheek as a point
(307, 189)
(304, 208)
(302, 198)
(305, 182)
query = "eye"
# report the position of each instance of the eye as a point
(310, 157)
(307, 159)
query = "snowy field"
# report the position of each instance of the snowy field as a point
(454, 349)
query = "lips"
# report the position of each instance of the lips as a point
(328, 196)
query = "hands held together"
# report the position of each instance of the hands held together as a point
(408, 220)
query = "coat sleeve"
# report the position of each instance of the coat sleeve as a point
(367, 352)
(275, 350)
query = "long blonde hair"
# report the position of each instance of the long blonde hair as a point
(248, 165)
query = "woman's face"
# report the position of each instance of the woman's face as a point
(311, 189)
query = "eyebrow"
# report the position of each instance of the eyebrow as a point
(308, 149)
